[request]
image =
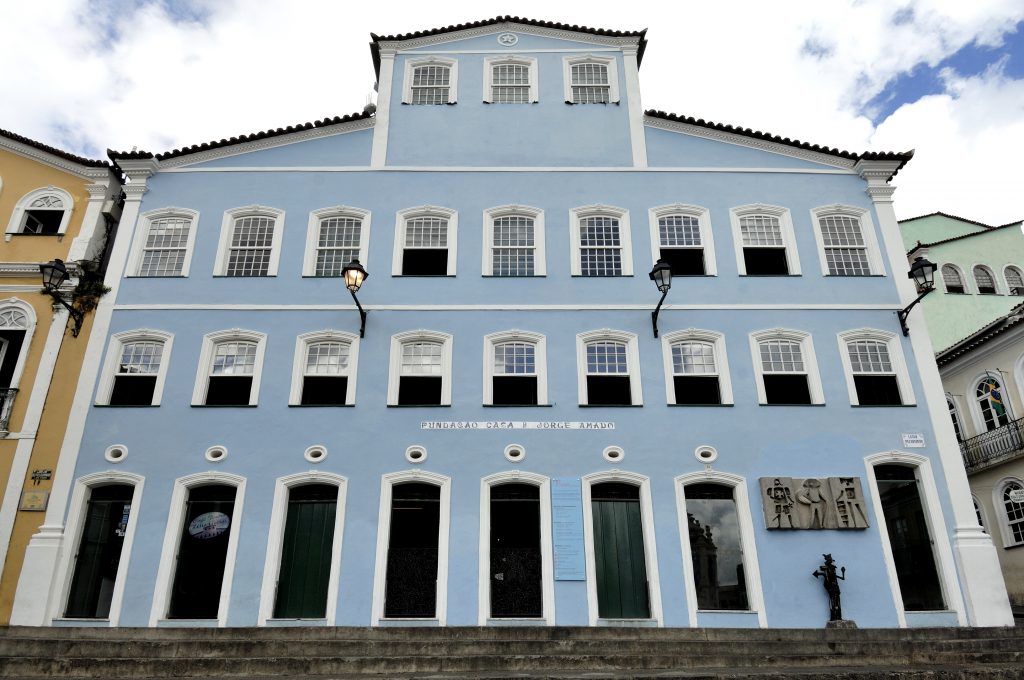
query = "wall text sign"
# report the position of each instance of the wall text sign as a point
(913, 440)
(567, 529)
(516, 425)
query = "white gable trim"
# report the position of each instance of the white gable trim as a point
(505, 27)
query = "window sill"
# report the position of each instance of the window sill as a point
(33, 235)
(611, 405)
(224, 405)
(517, 405)
(409, 622)
(423, 276)
(260, 276)
(627, 623)
(883, 405)
(615, 276)
(504, 276)
(800, 405)
(158, 276)
(702, 405)
(419, 405)
(771, 276)
(68, 621)
(127, 405)
(321, 405)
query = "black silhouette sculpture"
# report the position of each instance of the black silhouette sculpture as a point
(828, 570)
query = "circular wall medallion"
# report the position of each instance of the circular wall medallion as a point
(614, 454)
(216, 454)
(315, 454)
(116, 453)
(515, 452)
(508, 39)
(706, 454)
(416, 454)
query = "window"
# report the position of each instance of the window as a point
(696, 368)
(978, 512)
(431, 81)
(420, 372)
(514, 241)
(785, 368)
(165, 243)
(682, 237)
(135, 369)
(985, 280)
(846, 241)
(515, 369)
(1010, 505)
(601, 242)
(988, 395)
(716, 547)
(608, 368)
(42, 212)
(1014, 280)
(952, 279)
(766, 239)
(229, 369)
(876, 374)
(17, 325)
(250, 242)
(324, 372)
(425, 242)
(510, 80)
(590, 80)
(954, 415)
(335, 237)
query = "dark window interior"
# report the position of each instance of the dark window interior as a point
(425, 262)
(14, 341)
(515, 551)
(135, 390)
(765, 261)
(514, 390)
(986, 290)
(954, 289)
(99, 552)
(609, 390)
(786, 389)
(715, 547)
(411, 586)
(320, 390)
(229, 390)
(202, 552)
(697, 389)
(877, 390)
(419, 390)
(684, 261)
(43, 221)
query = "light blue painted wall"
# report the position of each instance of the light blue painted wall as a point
(342, 149)
(666, 148)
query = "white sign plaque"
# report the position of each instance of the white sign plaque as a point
(516, 425)
(1017, 495)
(913, 440)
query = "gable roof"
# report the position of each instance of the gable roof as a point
(988, 230)
(981, 336)
(87, 162)
(947, 215)
(502, 19)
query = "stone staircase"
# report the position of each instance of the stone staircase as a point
(514, 652)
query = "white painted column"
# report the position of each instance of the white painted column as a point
(637, 138)
(379, 154)
(87, 244)
(981, 579)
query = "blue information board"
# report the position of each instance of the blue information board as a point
(567, 528)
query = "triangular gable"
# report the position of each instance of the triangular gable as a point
(526, 38)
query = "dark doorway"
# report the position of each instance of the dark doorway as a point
(99, 552)
(620, 562)
(715, 547)
(306, 552)
(909, 539)
(516, 576)
(202, 552)
(411, 588)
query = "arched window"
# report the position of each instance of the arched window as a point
(1010, 503)
(696, 367)
(985, 280)
(1014, 280)
(165, 241)
(510, 80)
(515, 369)
(682, 237)
(954, 415)
(135, 368)
(590, 79)
(876, 373)
(229, 369)
(425, 242)
(785, 367)
(609, 374)
(250, 242)
(601, 242)
(953, 281)
(324, 372)
(765, 240)
(335, 237)
(420, 372)
(42, 212)
(846, 239)
(432, 80)
(514, 241)
(17, 322)
(989, 395)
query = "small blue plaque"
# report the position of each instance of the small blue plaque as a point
(567, 528)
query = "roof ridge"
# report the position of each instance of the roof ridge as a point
(950, 216)
(88, 162)
(962, 236)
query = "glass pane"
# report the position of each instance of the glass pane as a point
(513, 241)
(426, 232)
(327, 358)
(869, 356)
(761, 230)
(337, 244)
(715, 547)
(693, 357)
(140, 358)
(421, 358)
(234, 358)
(514, 358)
(679, 230)
(607, 357)
(781, 356)
(600, 246)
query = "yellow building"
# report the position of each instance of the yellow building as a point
(53, 205)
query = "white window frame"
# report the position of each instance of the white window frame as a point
(1002, 520)
(275, 541)
(751, 565)
(18, 214)
(227, 230)
(785, 227)
(529, 62)
(546, 556)
(210, 343)
(313, 233)
(1006, 282)
(453, 77)
(302, 345)
(632, 362)
(650, 544)
(576, 215)
(806, 350)
(974, 404)
(14, 304)
(958, 414)
(146, 220)
(395, 365)
(402, 217)
(991, 273)
(899, 362)
(608, 62)
(114, 349)
(867, 230)
(979, 511)
(713, 338)
(707, 238)
(536, 214)
(963, 279)
(387, 483)
(540, 345)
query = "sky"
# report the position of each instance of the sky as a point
(942, 77)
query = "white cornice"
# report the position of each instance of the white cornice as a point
(505, 27)
(54, 161)
(750, 142)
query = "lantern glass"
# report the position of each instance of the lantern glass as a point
(923, 273)
(662, 275)
(54, 273)
(354, 275)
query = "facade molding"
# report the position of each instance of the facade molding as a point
(402, 46)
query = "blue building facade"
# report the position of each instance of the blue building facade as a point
(508, 443)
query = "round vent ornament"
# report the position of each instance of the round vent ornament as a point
(508, 39)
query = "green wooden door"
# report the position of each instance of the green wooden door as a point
(619, 552)
(306, 552)
(99, 552)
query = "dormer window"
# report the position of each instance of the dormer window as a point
(510, 80)
(590, 80)
(431, 81)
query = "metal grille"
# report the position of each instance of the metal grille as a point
(164, 252)
(761, 230)
(140, 358)
(781, 356)
(234, 358)
(606, 356)
(513, 246)
(951, 277)
(337, 245)
(679, 230)
(251, 243)
(327, 358)
(600, 247)
(430, 84)
(590, 84)
(869, 356)
(983, 277)
(515, 358)
(510, 84)
(426, 232)
(421, 358)
(1014, 513)
(693, 357)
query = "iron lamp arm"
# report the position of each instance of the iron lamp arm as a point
(362, 314)
(905, 312)
(654, 314)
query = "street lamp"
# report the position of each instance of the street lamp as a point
(923, 273)
(54, 274)
(354, 275)
(661, 274)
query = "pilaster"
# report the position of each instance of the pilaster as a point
(637, 138)
(382, 117)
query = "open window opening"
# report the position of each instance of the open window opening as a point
(231, 374)
(953, 281)
(608, 378)
(681, 244)
(514, 382)
(784, 373)
(136, 374)
(99, 552)
(420, 382)
(764, 248)
(985, 280)
(202, 552)
(874, 375)
(695, 373)
(325, 374)
(716, 547)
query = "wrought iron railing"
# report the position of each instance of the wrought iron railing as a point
(994, 446)
(7, 396)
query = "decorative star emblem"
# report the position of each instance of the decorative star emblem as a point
(508, 39)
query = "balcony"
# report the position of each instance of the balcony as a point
(7, 396)
(993, 447)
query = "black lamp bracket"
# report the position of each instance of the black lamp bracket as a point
(905, 312)
(654, 314)
(362, 315)
(76, 315)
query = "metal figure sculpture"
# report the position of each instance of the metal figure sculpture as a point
(828, 570)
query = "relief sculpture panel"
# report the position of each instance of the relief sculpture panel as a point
(813, 503)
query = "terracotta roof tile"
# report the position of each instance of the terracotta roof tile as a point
(88, 162)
